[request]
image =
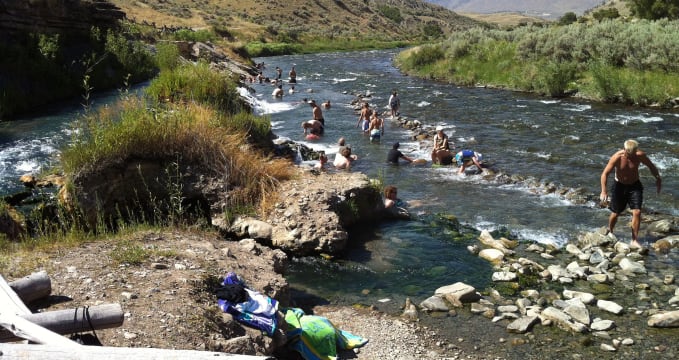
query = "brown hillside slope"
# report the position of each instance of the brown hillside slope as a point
(269, 19)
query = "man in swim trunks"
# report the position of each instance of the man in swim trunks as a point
(364, 117)
(293, 76)
(316, 112)
(376, 128)
(465, 158)
(627, 189)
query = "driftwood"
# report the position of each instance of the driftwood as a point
(43, 352)
(32, 287)
(73, 321)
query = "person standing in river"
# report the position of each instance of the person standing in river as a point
(394, 104)
(293, 76)
(316, 112)
(627, 189)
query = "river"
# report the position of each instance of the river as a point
(566, 142)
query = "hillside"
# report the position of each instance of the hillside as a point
(548, 9)
(278, 20)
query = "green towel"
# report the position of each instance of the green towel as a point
(316, 338)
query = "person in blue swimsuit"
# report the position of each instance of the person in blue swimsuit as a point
(466, 158)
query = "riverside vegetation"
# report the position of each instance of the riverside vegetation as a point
(613, 61)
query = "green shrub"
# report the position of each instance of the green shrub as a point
(197, 83)
(191, 35)
(391, 13)
(167, 56)
(555, 77)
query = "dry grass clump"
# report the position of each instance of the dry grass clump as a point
(198, 135)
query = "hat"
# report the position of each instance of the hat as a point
(312, 101)
(396, 145)
(439, 128)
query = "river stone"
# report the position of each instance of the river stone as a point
(608, 347)
(586, 298)
(597, 257)
(609, 306)
(576, 270)
(602, 325)
(522, 325)
(508, 308)
(556, 271)
(248, 227)
(665, 320)
(434, 303)
(522, 304)
(598, 278)
(495, 256)
(460, 291)
(504, 276)
(577, 311)
(562, 320)
(663, 226)
(573, 249)
(632, 266)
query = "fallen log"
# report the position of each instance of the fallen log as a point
(43, 352)
(32, 287)
(71, 321)
(24, 329)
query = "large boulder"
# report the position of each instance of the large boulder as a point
(314, 212)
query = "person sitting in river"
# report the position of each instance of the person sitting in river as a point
(343, 159)
(322, 161)
(326, 105)
(466, 158)
(393, 206)
(341, 143)
(441, 154)
(278, 92)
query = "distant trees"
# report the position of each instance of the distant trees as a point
(610, 13)
(655, 9)
(568, 18)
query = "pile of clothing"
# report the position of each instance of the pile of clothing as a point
(314, 337)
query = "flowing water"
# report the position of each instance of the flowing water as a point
(565, 142)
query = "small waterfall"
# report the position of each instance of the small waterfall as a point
(298, 154)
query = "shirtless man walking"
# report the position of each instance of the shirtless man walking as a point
(364, 118)
(627, 189)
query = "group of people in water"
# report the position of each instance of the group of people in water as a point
(626, 191)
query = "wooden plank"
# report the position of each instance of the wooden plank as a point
(72, 321)
(10, 301)
(27, 330)
(32, 287)
(44, 352)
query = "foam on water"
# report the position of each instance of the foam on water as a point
(578, 108)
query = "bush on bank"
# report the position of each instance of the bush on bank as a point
(612, 61)
(39, 69)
